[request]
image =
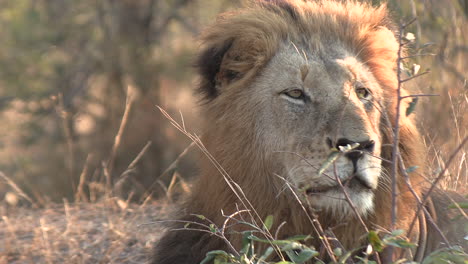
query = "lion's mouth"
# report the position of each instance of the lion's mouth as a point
(354, 183)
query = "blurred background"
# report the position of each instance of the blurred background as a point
(66, 67)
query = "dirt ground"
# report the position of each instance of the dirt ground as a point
(111, 231)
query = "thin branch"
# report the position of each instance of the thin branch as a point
(66, 117)
(420, 204)
(16, 188)
(396, 138)
(407, 24)
(315, 224)
(80, 195)
(413, 77)
(223, 229)
(140, 155)
(418, 95)
(176, 162)
(396, 129)
(132, 166)
(348, 199)
(118, 138)
(438, 179)
(418, 55)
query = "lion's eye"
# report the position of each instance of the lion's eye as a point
(295, 94)
(362, 92)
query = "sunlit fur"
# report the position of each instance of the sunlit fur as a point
(272, 146)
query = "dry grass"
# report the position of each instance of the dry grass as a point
(109, 231)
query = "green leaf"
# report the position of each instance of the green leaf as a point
(299, 238)
(290, 245)
(398, 232)
(255, 238)
(301, 255)
(462, 205)
(375, 241)
(411, 169)
(412, 106)
(401, 243)
(218, 252)
(274, 242)
(268, 223)
(346, 257)
(212, 228)
(186, 225)
(454, 255)
(247, 247)
(208, 259)
(243, 260)
(334, 155)
(215, 256)
(266, 254)
(338, 252)
(202, 217)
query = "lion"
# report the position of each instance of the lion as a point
(285, 84)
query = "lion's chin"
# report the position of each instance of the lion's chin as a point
(333, 201)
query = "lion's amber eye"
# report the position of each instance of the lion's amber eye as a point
(362, 92)
(296, 94)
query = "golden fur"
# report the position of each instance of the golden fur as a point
(239, 52)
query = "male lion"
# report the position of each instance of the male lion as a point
(285, 84)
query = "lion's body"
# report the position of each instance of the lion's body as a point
(286, 83)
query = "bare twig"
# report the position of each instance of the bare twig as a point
(337, 244)
(139, 156)
(420, 205)
(437, 180)
(132, 166)
(353, 207)
(417, 95)
(118, 138)
(79, 194)
(172, 168)
(67, 128)
(418, 55)
(315, 224)
(223, 229)
(414, 76)
(175, 163)
(396, 137)
(16, 188)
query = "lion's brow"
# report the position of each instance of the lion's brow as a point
(304, 71)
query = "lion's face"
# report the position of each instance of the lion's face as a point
(288, 83)
(311, 105)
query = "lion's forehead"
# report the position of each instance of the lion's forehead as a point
(338, 65)
(328, 77)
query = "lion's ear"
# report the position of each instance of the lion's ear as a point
(226, 62)
(209, 67)
(234, 50)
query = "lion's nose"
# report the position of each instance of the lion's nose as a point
(355, 154)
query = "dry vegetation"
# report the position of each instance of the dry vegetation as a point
(109, 231)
